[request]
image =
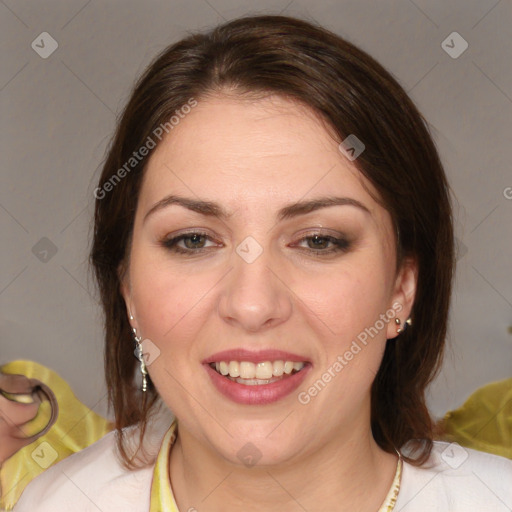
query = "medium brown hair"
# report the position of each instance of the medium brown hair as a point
(353, 94)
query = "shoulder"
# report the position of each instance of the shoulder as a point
(91, 479)
(94, 479)
(457, 479)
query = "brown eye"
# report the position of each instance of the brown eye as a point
(188, 243)
(324, 244)
(195, 241)
(318, 242)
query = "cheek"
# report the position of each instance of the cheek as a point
(347, 304)
(170, 313)
(169, 303)
(344, 312)
(347, 300)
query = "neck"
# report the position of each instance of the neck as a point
(350, 472)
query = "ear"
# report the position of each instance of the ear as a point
(126, 292)
(403, 295)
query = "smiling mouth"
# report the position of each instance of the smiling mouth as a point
(257, 374)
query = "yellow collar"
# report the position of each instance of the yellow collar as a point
(392, 496)
(162, 498)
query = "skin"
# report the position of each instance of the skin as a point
(13, 417)
(253, 158)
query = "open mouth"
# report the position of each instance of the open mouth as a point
(257, 374)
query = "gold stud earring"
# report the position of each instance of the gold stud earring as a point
(397, 322)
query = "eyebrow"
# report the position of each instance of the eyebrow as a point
(212, 209)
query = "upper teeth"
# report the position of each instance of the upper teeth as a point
(263, 370)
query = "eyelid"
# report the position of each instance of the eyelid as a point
(188, 232)
(320, 231)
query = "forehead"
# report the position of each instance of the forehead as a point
(255, 152)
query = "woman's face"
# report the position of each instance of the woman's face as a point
(262, 267)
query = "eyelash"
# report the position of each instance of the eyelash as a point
(340, 244)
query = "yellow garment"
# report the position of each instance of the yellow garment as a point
(162, 497)
(484, 422)
(75, 428)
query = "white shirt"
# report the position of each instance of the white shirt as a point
(455, 479)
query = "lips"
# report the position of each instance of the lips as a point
(256, 377)
(259, 356)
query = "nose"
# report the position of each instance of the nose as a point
(255, 296)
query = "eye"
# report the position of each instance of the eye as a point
(188, 243)
(325, 244)
(195, 243)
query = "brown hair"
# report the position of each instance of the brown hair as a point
(353, 94)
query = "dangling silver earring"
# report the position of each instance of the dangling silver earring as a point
(140, 356)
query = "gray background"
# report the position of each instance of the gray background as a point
(58, 114)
